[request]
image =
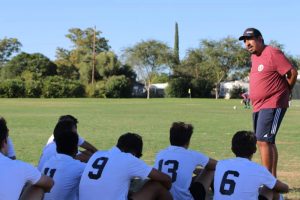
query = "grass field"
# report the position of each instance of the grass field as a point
(102, 121)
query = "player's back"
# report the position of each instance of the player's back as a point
(179, 163)
(240, 178)
(14, 174)
(48, 151)
(108, 173)
(66, 173)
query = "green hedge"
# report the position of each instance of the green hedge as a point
(51, 87)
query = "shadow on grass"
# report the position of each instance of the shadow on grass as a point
(293, 191)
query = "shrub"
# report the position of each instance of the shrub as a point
(118, 87)
(58, 87)
(33, 89)
(178, 87)
(98, 90)
(236, 91)
(12, 88)
(201, 88)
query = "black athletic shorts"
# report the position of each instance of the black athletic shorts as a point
(266, 123)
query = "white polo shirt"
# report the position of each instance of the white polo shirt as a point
(66, 173)
(50, 150)
(13, 175)
(240, 178)
(179, 163)
(108, 173)
(10, 148)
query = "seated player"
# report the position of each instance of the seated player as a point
(240, 178)
(108, 173)
(62, 167)
(81, 142)
(11, 150)
(179, 162)
(14, 174)
(50, 149)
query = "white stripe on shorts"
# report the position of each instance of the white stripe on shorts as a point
(275, 121)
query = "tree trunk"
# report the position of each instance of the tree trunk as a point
(148, 92)
(217, 92)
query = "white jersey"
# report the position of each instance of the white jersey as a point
(179, 163)
(108, 173)
(13, 175)
(10, 148)
(50, 150)
(80, 140)
(240, 178)
(66, 173)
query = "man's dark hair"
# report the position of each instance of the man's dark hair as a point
(180, 133)
(131, 143)
(62, 127)
(3, 131)
(66, 143)
(68, 117)
(243, 144)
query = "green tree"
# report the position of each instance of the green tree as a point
(223, 58)
(35, 66)
(81, 54)
(65, 67)
(8, 46)
(148, 58)
(176, 45)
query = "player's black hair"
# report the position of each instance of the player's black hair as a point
(243, 144)
(66, 143)
(68, 117)
(62, 127)
(3, 130)
(180, 133)
(131, 143)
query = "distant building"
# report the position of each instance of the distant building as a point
(138, 90)
(226, 87)
(158, 89)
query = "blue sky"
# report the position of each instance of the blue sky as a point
(41, 25)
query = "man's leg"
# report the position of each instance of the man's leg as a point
(266, 125)
(200, 185)
(266, 154)
(152, 190)
(275, 160)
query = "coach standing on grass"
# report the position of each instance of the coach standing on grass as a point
(272, 78)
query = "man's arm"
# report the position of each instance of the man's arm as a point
(36, 191)
(158, 176)
(211, 165)
(86, 145)
(281, 187)
(45, 182)
(291, 77)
